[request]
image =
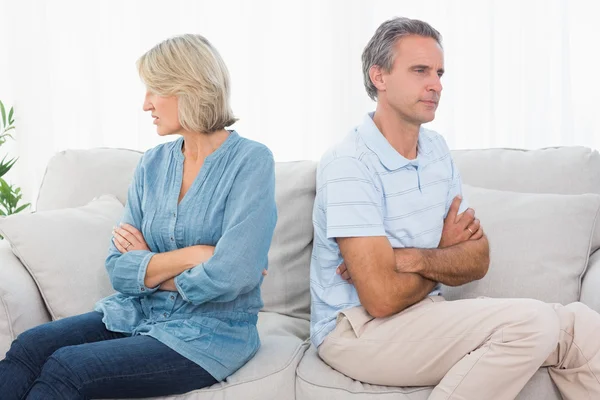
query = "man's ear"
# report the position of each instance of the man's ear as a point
(377, 78)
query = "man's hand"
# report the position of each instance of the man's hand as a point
(460, 228)
(127, 238)
(343, 271)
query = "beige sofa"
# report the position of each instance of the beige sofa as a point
(541, 225)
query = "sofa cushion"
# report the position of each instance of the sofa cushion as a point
(539, 244)
(64, 251)
(271, 373)
(21, 305)
(590, 295)
(540, 387)
(317, 380)
(74, 177)
(563, 170)
(286, 288)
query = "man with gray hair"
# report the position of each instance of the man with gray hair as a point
(391, 226)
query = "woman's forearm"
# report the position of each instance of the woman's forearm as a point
(165, 266)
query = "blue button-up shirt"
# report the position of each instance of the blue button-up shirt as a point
(366, 188)
(211, 319)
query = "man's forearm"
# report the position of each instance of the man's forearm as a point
(404, 290)
(165, 266)
(453, 266)
(414, 288)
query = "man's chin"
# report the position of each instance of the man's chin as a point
(425, 118)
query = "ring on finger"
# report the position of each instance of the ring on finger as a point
(469, 229)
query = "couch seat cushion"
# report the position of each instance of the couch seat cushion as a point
(271, 373)
(317, 380)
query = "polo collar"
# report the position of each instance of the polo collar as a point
(388, 156)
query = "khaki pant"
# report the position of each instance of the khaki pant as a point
(471, 349)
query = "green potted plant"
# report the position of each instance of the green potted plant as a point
(10, 196)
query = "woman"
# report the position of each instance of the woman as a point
(186, 261)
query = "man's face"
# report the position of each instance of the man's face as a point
(413, 87)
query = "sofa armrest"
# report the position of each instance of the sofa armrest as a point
(21, 305)
(590, 287)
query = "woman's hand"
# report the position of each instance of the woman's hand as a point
(168, 285)
(127, 238)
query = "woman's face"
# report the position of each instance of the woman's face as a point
(164, 111)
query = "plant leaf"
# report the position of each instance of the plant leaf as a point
(5, 135)
(5, 190)
(10, 116)
(4, 168)
(24, 206)
(3, 112)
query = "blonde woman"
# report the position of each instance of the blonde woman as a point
(186, 262)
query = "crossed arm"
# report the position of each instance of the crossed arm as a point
(202, 273)
(163, 267)
(389, 280)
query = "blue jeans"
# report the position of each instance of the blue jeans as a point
(78, 358)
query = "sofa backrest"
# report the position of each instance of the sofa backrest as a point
(560, 170)
(74, 177)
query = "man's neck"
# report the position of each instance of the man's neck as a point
(402, 135)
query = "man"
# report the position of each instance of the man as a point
(390, 226)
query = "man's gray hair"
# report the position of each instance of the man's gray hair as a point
(380, 49)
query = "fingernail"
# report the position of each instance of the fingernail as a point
(337, 271)
(459, 197)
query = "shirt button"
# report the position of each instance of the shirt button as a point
(165, 315)
(142, 289)
(174, 215)
(172, 297)
(172, 239)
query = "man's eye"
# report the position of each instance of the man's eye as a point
(420, 71)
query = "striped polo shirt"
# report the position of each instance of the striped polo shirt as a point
(366, 188)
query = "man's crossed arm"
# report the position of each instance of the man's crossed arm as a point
(389, 280)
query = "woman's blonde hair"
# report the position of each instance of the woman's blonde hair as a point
(189, 67)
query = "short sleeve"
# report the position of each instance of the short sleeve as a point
(455, 189)
(352, 202)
